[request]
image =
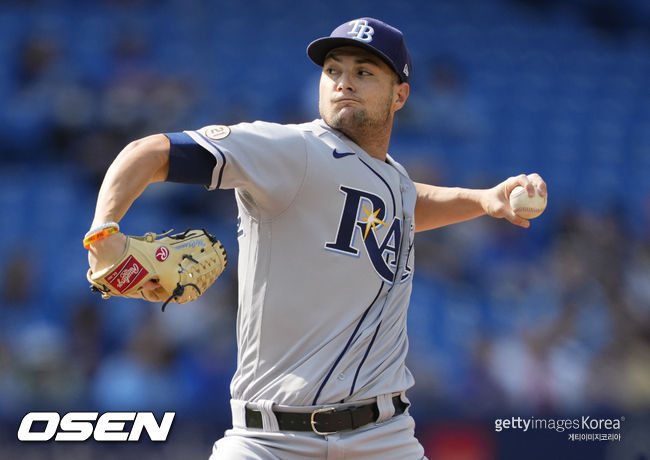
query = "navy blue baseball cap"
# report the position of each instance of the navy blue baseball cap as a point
(379, 38)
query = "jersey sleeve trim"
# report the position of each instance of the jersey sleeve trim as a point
(218, 154)
(189, 162)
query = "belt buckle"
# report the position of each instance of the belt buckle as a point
(313, 422)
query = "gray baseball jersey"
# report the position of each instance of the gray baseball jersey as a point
(325, 262)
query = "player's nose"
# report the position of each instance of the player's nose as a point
(344, 82)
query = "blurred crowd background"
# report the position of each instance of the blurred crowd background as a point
(553, 321)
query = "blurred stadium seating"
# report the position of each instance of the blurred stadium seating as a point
(551, 321)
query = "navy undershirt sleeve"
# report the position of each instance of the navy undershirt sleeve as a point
(189, 163)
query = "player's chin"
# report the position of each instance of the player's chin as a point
(346, 118)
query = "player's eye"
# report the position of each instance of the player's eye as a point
(364, 73)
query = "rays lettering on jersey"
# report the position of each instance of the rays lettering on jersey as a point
(363, 214)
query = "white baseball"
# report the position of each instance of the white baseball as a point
(525, 206)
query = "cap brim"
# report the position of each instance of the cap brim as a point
(318, 49)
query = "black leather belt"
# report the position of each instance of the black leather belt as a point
(326, 420)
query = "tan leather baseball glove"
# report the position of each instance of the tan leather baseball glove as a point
(184, 265)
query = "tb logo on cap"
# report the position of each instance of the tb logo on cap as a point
(361, 30)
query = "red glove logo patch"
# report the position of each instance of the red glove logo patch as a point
(128, 274)
(162, 253)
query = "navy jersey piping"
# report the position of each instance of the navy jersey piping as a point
(223, 157)
(363, 360)
(347, 345)
(392, 196)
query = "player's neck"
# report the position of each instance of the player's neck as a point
(374, 142)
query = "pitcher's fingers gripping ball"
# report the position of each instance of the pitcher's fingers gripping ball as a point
(183, 265)
(525, 206)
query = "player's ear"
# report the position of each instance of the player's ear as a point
(401, 94)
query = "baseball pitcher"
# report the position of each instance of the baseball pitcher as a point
(326, 257)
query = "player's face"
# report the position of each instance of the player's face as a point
(359, 93)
